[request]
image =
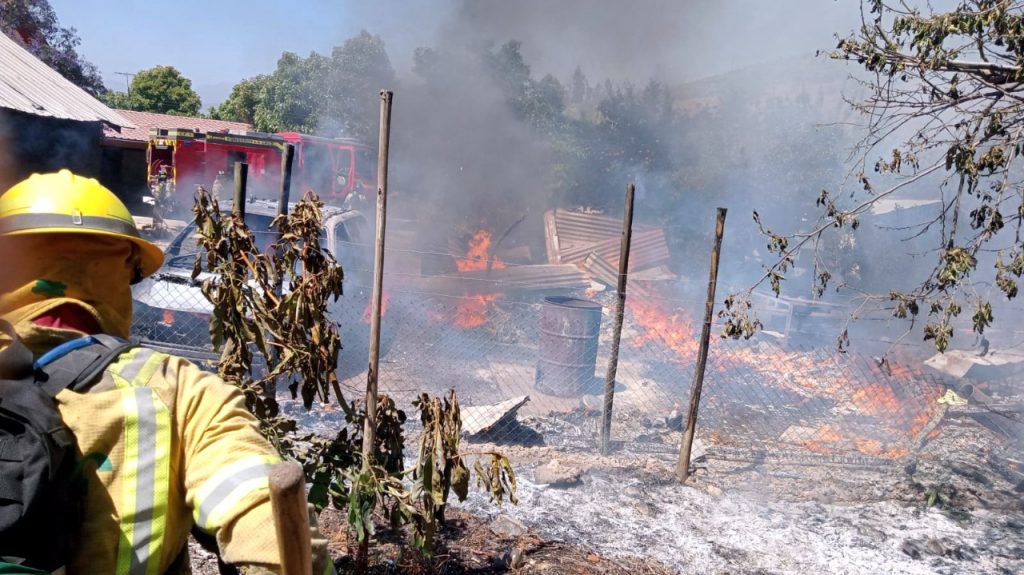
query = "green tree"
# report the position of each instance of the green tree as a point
(290, 97)
(34, 25)
(160, 89)
(119, 100)
(241, 104)
(358, 70)
(945, 122)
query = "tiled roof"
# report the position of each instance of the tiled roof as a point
(28, 85)
(144, 121)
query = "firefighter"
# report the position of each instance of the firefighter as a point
(162, 445)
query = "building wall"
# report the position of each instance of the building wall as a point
(124, 172)
(30, 144)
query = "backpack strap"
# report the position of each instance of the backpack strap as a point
(15, 359)
(76, 363)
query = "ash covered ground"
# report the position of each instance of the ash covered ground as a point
(951, 506)
(735, 518)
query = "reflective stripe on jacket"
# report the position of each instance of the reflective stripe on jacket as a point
(164, 444)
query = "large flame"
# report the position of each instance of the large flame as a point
(472, 311)
(384, 301)
(478, 253)
(806, 376)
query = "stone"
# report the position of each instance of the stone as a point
(714, 490)
(507, 525)
(555, 474)
(645, 509)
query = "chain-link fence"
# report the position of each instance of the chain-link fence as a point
(527, 349)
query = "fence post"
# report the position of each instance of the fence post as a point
(370, 424)
(620, 309)
(241, 178)
(683, 466)
(285, 191)
(291, 518)
(283, 195)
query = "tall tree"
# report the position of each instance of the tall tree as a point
(291, 97)
(34, 25)
(161, 89)
(946, 124)
(241, 104)
(358, 70)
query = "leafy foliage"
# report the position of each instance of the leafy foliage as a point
(240, 106)
(290, 328)
(332, 95)
(161, 89)
(289, 97)
(34, 25)
(946, 86)
(356, 72)
(418, 496)
(251, 313)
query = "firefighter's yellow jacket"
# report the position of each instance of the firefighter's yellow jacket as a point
(162, 445)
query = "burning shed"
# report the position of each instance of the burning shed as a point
(47, 122)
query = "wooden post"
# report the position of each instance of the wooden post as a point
(683, 466)
(370, 425)
(241, 178)
(283, 195)
(285, 191)
(620, 309)
(291, 518)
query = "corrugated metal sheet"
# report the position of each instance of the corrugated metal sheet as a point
(569, 232)
(647, 249)
(525, 277)
(28, 85)
(145, 121)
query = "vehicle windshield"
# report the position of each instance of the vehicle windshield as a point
(181, 254)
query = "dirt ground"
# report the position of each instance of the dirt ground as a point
(468, 545)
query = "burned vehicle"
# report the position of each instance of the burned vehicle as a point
(172, 315)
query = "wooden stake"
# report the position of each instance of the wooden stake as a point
(241, 178)
(283, 195)
(370, 425)
(683, 466)
(291, 518)
(620, 309)
(285, 191)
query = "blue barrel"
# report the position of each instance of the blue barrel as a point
(569, 331)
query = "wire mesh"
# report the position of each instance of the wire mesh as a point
(528, 362)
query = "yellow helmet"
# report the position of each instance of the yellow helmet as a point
(64, 203)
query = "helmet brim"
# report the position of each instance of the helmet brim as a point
(151, 257)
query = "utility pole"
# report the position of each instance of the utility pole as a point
(128, 77)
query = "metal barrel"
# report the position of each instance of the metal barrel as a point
(569, 330)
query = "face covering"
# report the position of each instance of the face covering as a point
(41, 272)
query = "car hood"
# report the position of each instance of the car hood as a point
(174, 289)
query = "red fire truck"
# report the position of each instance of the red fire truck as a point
(333, 168)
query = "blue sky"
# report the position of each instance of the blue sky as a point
(216, 43)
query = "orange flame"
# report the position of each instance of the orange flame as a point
(476, 257)
(384, 301)
(807, 377)
(674, 331)
(471, 312)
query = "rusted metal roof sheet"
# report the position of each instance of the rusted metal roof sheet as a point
(145, 121)
(647, 249)
(29, 86)
(519, 277)
(572, 235)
